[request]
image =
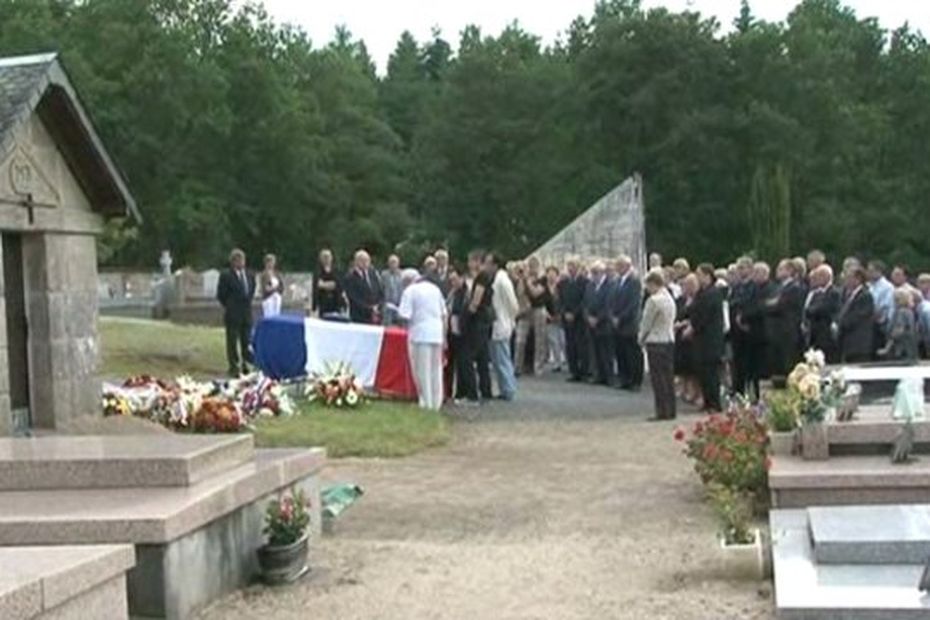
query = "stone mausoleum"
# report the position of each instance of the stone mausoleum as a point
(100, 526)
(57, 186)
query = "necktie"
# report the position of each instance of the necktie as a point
(245, 286)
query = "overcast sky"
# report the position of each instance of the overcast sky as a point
(380, 22)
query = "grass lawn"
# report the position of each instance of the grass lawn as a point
(133, 347)
(380, 429)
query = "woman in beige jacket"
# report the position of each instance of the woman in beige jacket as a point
(657, 335)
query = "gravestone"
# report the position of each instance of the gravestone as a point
(211, 279)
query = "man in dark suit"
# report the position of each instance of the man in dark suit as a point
(572, 290)
(856, 318)
(741, 292)
(363, 288)
(706, 330)
(753, 314)
(820, 311)
(626, 305)
(235, 291)
(786, 310)
(597, 318)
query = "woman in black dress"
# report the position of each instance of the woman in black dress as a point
(328, 297)
(457, 303)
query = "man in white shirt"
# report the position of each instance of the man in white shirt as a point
(424, 310)
(506, 307)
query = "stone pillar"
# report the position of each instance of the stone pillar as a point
(6, 415)
(61, 298)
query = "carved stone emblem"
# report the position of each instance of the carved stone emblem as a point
(22, 177)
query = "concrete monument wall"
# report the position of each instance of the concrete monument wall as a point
(614, 225)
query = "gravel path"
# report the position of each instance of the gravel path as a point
(566, 505)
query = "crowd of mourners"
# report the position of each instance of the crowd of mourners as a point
(704, 331)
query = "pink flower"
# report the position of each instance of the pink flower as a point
(679, 434)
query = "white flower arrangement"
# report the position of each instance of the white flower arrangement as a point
(336, 386)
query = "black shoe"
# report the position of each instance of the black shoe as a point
(574, 380)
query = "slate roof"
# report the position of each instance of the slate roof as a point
(38, 84)
(19, 80)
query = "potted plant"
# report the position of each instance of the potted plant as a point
(730, 449)
(284, 558)
(782, 418)
(741, 554)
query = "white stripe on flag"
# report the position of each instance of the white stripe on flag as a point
(329, 342)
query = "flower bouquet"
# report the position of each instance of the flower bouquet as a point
(818, 394)
(260, 396)
(217, 415)
(336, 386)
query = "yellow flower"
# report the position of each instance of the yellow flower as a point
(809, 387)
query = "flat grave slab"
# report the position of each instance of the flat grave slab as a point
(147, 515)
(806, 590)
(847, 471)
(848, 480)
(897, 534)
(884, 371)
(64, 582)
(114, 461)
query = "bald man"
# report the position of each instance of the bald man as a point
(363, 288)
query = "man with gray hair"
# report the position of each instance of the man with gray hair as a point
(572, 289)
(597, 317)
(235, 291)
(741, 293)
(821, 309)
(423, 308)
(626, 303)
(753, 316)
(391, 280)
(363, 288)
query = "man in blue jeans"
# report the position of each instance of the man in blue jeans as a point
(504, 302)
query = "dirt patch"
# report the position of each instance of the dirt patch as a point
(565, 505)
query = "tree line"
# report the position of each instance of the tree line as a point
(236, 130)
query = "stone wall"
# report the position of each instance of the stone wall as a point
(6, 421)
(61, 299)
(614, 225)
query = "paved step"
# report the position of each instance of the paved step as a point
(118, 461)
(898, 534)
(871, 434)
(848, 480)
(806, 590)
(64, 583)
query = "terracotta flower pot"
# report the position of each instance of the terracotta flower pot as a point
(815, 444)
(283, 564)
